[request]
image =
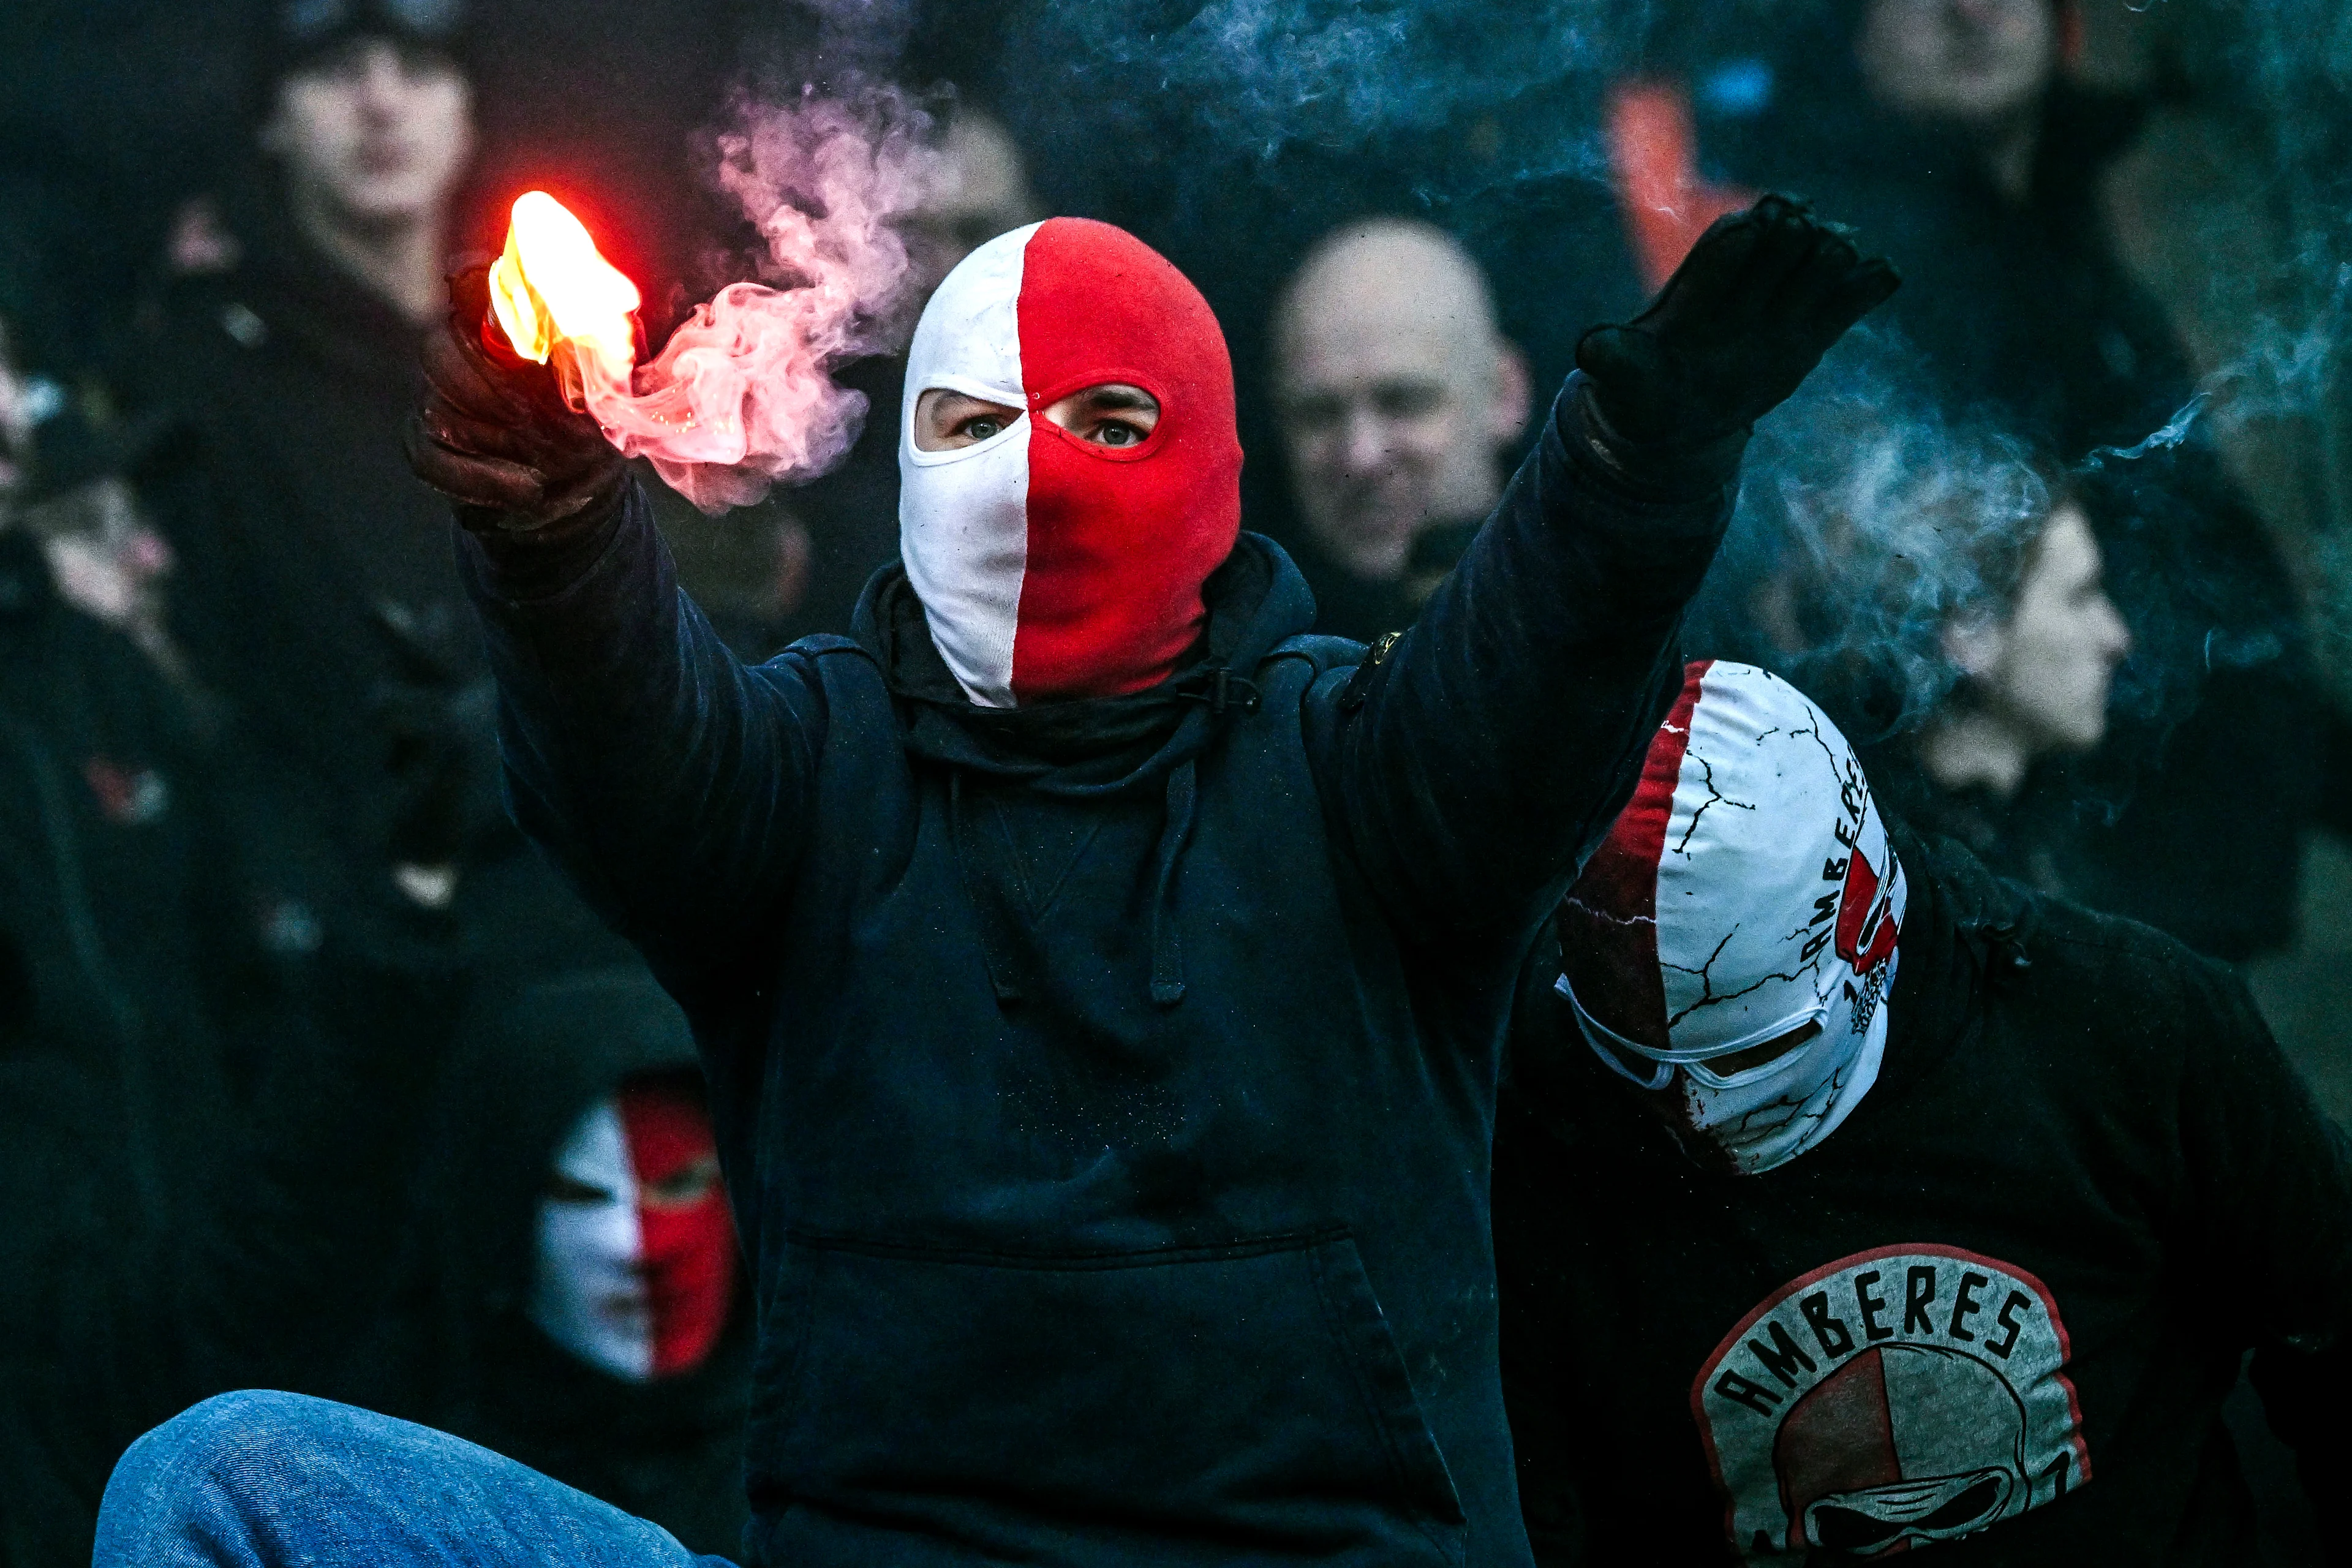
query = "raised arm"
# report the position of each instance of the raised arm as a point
(671, 781)
(1473, 770)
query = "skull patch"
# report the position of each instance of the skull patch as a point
(1890, 1401)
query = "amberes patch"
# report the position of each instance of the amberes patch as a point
(1890, 1400)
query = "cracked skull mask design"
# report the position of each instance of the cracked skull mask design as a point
(1747, 896)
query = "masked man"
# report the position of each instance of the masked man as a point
(1101, 986)
(1849, 1201)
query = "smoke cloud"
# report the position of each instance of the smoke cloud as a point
(742, 396)
(1868, 522)
(1231, 83)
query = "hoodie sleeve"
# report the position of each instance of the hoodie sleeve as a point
(1471, 771)
(671, 781)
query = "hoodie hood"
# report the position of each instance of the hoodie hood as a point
(1966, 930)
(1088, 748)
(1091, 745)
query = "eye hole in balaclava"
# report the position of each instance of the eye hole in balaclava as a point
(1731, 943)
(1051, 567)
(637, 1246)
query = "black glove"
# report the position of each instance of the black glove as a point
(494, 434)
(1752, 309)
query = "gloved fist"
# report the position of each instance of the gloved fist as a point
(1753, 308)
(494, 434)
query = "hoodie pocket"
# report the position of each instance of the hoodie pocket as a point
(1247, 1398)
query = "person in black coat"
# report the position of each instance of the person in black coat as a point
(1397, 401)
(183, 1010)
(586, 1319)
(1849, 1200)
(1959, 133)
(309, 561)
(164, 1236)
(1941, 594)
(1099, 984)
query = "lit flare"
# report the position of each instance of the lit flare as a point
(551, 289)
(741, 396)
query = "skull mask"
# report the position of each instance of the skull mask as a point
(1747, 895)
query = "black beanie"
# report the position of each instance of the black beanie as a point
(297, 31)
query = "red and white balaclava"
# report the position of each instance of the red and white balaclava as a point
(638, 1281)
(1747, 890)
(1050, 567)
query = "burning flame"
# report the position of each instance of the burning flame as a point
(551, 284)
(562, 304)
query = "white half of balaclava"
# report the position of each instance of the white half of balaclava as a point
(585, 1293)
(1748, 890)
(964, 514)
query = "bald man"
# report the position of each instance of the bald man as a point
(1398, 398)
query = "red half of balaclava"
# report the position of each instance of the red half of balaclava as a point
(688, 1243)
(1051, 567)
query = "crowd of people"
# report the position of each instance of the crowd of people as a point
(428, 999)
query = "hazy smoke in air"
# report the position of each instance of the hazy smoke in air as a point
(1198, 89)
(2164, 437)
(823, 180)
(862, 34)
(1867, 523)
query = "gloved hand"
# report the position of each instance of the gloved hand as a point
(1753, 308)
(494, 434)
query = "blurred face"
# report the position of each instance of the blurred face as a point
(2046, 670)
(1391, 417)
(635, 1245)
(980, 190)
(371, 134)
(17, 415)
(1962, 62)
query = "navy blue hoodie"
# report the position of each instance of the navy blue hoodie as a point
(1105, 1087)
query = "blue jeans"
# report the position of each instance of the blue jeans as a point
(271, 1480)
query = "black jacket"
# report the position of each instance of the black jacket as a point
(290, 507)
(260, 1264)
(1105, 1089)
(2028, 1264)
(2020, 306)
(458, 1350)
(300, 540)
(205, 1076)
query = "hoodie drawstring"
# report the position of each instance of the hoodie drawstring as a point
(1005, 946)
(997, 941)
(1167, 942)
